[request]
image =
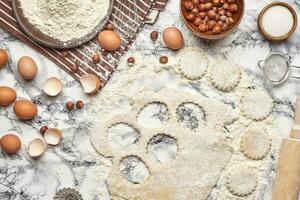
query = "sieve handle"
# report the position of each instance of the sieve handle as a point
(298, 68)
(260, 64)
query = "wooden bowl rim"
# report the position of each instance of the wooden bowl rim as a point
(262, 12)
(213, 37)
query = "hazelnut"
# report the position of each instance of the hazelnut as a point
(195, 11)
(109, 27)
(219, 23)
(216, 2)
(222, 1)
(233, 8)
(74, 68)
(224, 27)
(223, 18)
(79, 104)
(202, 15)
(201, 1)
(203, 27)
(96, 58)
(188, 5)
(225, 6)
(217, 17)
(211, 14)
(201, 7)
(228, 14)
(163, 60)
(70, 105)
(231, 1)
(130, 61)
(197, 21)
(211, 24)
(217, 29)
(206, 19)
(65, 54)
(208, 6)
(195, 2)
(154, 35)
(43, 129)
(222, 11)
(191, 17)
(230, 21)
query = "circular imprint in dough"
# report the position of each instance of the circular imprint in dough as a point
(153, 115)
(193, 64)
(162, 148)
(257, 105)
(122, 135)
(256, 144)
(134, 169)
(241, 181)
(190, 115)
(225, 75)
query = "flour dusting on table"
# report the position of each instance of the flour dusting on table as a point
(203, 121)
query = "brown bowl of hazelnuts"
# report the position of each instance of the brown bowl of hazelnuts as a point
(212, 19)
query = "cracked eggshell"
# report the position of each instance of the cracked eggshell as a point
(36, 148)
(52, 86)
(90, 83)
(53, 136)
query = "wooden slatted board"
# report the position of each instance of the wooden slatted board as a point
(128, 17)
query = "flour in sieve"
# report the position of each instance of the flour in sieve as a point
(65, 20)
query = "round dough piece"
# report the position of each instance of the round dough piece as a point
(193, 64)
(225, 75)
(256, 144)
(257, 105)
(241, 181)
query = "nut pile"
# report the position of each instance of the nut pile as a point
(211, 15)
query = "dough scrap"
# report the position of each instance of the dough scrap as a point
(225, 75)
(257, 105)
(193, 67)
(241, 181)
(256, 144)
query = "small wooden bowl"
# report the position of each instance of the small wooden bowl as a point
(209, 35)
(284, 37)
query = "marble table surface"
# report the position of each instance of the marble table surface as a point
(75, 163)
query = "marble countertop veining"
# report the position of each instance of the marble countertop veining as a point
(75, 163)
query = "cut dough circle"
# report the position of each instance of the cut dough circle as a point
(193, 64)
(256, 144)
(225, 75)
(241, 181)
(257, 105)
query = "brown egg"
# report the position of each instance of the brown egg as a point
(109, 40)
(7, 96)
(27, 68)
(25, 109)
(3, 58)
(173, 38)
(10, 143)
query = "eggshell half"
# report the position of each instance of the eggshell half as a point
(52, 86)
(52, 136)
(90, 83)
(27, 68)
(25, 109)
(36, 148)
(7, 95)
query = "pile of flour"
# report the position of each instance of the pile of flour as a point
(65, 20)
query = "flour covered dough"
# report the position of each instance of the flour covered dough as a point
(257, 104)
(225, 75)
(193, 64)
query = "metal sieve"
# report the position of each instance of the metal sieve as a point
(277, 67)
